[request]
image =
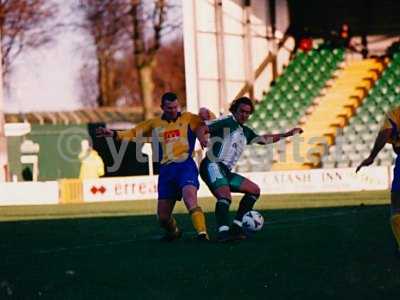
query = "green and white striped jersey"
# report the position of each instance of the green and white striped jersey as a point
(227, 140)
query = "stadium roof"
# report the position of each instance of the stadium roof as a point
(82, 116)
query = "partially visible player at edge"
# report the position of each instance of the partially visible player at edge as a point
(390, 133)
(228, 137)
(174, 134)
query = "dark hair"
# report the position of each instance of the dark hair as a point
(169, 96)
(242, 100)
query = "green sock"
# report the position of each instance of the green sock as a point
(245, 205)
(222, 213)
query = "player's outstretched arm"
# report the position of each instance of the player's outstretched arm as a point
(104, 132)
(380, 141)
(273, 138)
(140, 132)
(294, 131)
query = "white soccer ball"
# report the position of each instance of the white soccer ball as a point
(252, 221)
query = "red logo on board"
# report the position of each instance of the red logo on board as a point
(95, 189)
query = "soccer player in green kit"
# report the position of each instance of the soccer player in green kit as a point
(228, 138)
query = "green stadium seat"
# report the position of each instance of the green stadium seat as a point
(286, 102)
(368, 137)
(361, 148)
(367, 118)
(379, 117)
(276, 115)
(262, 115)
(396, 70)
(269, 105)
(344, 163)
(269, 123)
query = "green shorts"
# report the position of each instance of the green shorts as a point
(216, 174)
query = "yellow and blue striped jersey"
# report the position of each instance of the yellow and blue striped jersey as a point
(392, 121)
(175, 139)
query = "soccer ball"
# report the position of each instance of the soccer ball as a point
(252, 221)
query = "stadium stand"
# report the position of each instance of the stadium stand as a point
(288, 100)
(338, 104)
(356, 140)
(294, 91)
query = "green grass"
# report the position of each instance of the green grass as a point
(146, 207)
(304, 252)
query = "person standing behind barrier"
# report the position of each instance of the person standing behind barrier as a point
(92, 165)
(174, 134)
(390, 133)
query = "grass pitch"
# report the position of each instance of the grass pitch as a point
(306, 250)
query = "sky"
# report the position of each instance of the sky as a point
(46, 79)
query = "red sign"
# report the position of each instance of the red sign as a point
(101, 190)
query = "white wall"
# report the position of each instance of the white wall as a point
(28, 193)
(214, 79)
(145, 187)
(285, 182)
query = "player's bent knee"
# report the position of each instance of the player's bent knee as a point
(249, 187)
(255, 191)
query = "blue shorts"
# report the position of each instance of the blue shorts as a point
(174, 176)
(396, 176)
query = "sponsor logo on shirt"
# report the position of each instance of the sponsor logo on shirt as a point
(172, 135)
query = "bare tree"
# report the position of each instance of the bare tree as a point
(106, 21)
(167, 75)
(127, 35)
(24, 24)
(145, 48)
(87, 85)
(149, 25)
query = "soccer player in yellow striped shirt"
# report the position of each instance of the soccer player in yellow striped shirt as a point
(174, 134)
